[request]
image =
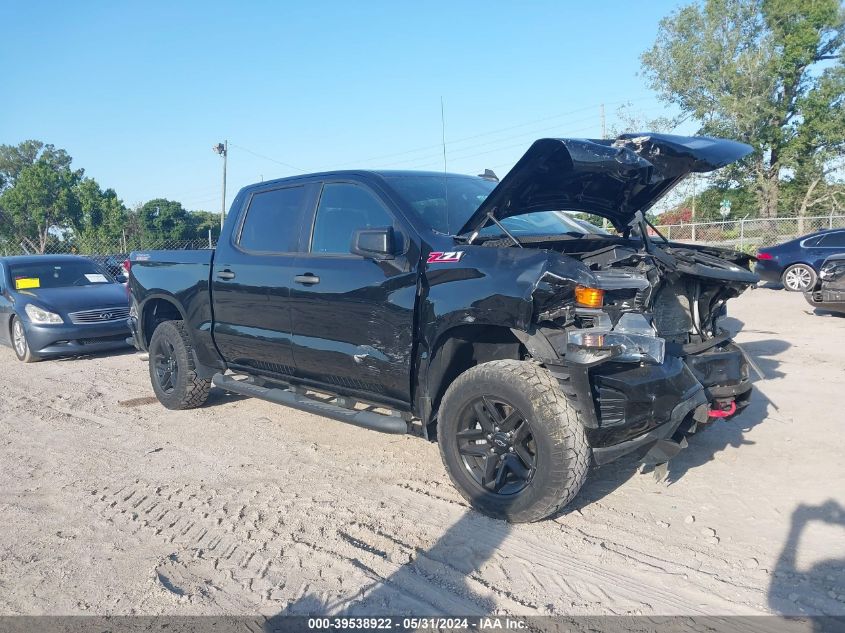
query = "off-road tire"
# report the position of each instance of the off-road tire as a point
(563, 455)
(27, 356)
(798, 273)
(189, 389)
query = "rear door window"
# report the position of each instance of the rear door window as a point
(343, 209)
(273, 220)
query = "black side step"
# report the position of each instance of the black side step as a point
(366, 419)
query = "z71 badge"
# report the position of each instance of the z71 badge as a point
(449, 257)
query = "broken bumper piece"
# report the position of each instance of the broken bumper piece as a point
(661, 444)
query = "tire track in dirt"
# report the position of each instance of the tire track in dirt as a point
(235, 541)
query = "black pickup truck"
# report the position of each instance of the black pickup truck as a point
(530, 343)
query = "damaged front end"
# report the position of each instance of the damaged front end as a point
(643, 353)
(639, 349)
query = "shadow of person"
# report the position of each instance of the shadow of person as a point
(435, 582)
(819, 590)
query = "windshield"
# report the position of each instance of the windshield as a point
(427, 195)
(543, 223)
(62, 274)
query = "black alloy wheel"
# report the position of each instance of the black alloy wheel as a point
(496, 445)
(166, 367)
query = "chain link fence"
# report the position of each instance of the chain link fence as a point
(58, 245)
(109, 253)
(748, 235)
(745, 235)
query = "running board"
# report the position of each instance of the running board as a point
(288, 398)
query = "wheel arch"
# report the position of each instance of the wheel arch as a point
(7, 326)
(155, 310)
(464, 346)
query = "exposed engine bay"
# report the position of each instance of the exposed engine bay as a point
(651, 308)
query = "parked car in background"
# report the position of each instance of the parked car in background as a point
(54, 305)
(114, 264)
(796, 263)
(829, 291)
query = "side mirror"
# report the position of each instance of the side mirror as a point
(374, 243)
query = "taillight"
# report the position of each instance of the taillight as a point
(127, 264)
(763, 255)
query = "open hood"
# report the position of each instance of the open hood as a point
(606, 177)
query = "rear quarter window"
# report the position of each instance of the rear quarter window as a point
(833, 239)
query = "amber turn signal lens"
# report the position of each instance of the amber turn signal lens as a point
(589, 297)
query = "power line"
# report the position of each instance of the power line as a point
(461, 153)
(272, 160)
(439, 147)
(497, 131)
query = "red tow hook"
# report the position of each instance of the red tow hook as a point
(723, 413)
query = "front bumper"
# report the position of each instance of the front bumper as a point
(627, 407)
(68, 339)
(833, 300)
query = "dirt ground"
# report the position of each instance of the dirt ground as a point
(111, 504)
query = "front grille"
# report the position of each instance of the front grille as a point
(101, 339)
(101, 315)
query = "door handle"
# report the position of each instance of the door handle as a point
(225, 275)
(308, 279)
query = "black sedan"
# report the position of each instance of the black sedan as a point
(54, 305)
(796, 263)
(829, 293)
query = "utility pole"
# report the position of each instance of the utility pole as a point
(603, 127)
(223, 150)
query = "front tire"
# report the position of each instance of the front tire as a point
(172, 369)
(799, 278)
(512, 444)
(20, 343)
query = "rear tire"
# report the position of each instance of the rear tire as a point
(799, 278)
(511, 417)
(172, 369)
(20, 343)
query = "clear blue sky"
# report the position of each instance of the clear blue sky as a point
(138, 92)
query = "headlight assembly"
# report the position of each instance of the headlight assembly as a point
(40, 316)
(632, 340)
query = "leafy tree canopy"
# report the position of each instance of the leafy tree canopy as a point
(768, 72)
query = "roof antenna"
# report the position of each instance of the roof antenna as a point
(445, 177)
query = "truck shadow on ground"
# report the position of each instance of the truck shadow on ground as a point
(818, 590)
(122, 351)
(435, 582)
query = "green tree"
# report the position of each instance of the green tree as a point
(163, 219)
(14, 158)
(36, 197)
(203, 221)
(98, 228)
(41, 200)
(767, 72)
